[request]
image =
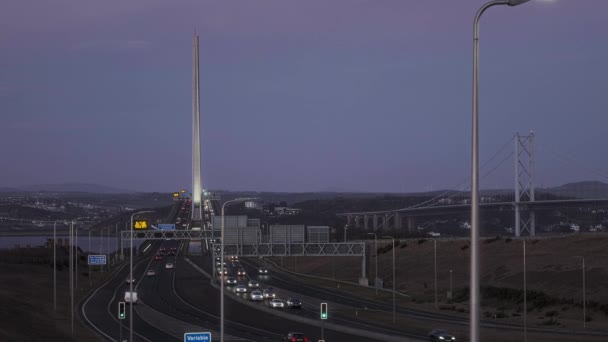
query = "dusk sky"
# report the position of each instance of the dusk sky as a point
(312, 95)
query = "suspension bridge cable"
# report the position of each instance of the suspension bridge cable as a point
(468, 179)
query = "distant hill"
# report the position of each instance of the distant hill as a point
(587, 189)
(73, 187)
(7, 189)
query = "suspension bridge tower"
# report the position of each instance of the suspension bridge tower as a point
(524, 184)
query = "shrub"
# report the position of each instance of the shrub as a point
(551, 313)
(550, 321)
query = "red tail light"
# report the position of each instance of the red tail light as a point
(305, 339)
(293, 339)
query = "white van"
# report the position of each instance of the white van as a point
(128, 297)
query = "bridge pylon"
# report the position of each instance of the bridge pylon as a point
(524, 184)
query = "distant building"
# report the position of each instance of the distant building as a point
(465, 225)
(286, 211)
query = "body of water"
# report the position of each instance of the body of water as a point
(94, 245)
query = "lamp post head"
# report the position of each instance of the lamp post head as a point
(517, 2)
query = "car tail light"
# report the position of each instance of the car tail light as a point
(305, 339)
(293, 339)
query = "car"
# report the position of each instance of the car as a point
(253, 284)
(234, 258)
(276, 303)
(231, 281)
(240, 289)
(294, 303)
(268, 294)
(158, 257)
(151, 273)
(219, 272)
(128, 297)
(295, 337)
(440, 335)
(241, 272)
(130, 280)
(163, 250)
(218, 264)
(263, 270)
(256, 296)
(169, 265)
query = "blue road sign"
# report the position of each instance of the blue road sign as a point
(197, 337)
(97, 260)
(166, 226)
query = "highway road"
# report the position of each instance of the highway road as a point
(183, 297)
(284, 280)
(100, 310)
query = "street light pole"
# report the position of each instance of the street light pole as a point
(55, 267)
(76, 258)
(584, 294)
(222, 265)
(451, 293)
(436, 300)
(131, 276)
(474, 290)
(72, 262)
(394, 282)
(525, 297)
(376, 253)
(117, 244)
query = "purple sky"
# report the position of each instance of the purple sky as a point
(297, 95)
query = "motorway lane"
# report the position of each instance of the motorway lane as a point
(199, 292)
(101, 309)
(282, 279)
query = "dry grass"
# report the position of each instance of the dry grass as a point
(26, 297)
(551, 268)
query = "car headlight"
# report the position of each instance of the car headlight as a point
(441, 338)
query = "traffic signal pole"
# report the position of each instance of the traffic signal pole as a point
(323, 329)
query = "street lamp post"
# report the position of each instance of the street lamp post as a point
(131, 275)
(72, 262)
(394, 281)
(525, 295)
(376, 253)
(117, 247)
(451, 293)
(222, 265)
(436, 300)
(55, 266)
(584, 294)
(474, 290)
(108, 249)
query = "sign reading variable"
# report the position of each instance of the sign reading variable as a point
(140, 224)
(97, 260)
(197, 337)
